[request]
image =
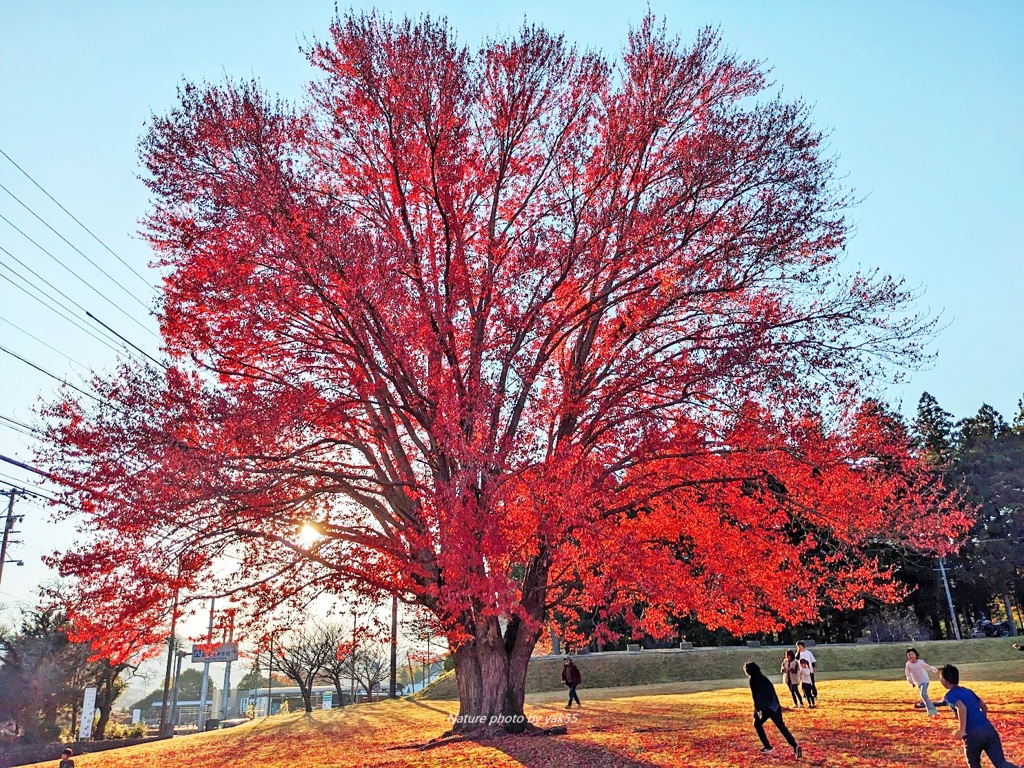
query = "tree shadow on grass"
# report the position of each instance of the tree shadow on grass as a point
(546, 751)
(445, 712)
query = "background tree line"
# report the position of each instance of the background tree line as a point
(43, 677)
(980, 456)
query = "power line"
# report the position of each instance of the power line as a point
(18, 430)
(21, 424)
(79, 223)
(76, 249)
(17, 327)
(48, 476)
(23, 465)
(54, 376)
(26, 266)
(141, 351)
(98, 398)
(71, 320)
(14, 427)
(13, 482)
(81, 279)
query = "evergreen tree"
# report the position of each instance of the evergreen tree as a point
(1018, 421)
(986, 424)
(933, 431)
(990, 464)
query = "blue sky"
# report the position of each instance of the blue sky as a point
(924, 101)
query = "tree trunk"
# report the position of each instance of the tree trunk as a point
(101, 724)
(490, 667)
(1009, 615)
(307, 697)
(104, 703)
(490, 671)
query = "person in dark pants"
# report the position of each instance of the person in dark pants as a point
(802, 654)
(767, 707)
(571, 677)
(65, 759)
(974, 728)
(791, 677)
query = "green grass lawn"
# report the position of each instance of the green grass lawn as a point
(618, 669)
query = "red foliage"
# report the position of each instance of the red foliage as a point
(513, 331)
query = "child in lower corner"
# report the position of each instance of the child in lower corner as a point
(807, 684)
(974, 728)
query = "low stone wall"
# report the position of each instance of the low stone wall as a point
(26, 754)
(614, 669)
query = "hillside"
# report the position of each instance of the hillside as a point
(624, 668)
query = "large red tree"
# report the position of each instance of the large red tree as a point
(512, 330)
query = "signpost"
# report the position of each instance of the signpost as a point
(328, 700)
(211, 653)
(88, 712)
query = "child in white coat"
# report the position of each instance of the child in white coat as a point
(807, 683)
(917, 670)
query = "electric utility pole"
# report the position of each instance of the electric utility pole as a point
(949, 599)
(8, 530)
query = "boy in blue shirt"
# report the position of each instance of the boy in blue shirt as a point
(977, 733)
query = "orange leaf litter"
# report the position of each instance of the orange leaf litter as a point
(859, 723)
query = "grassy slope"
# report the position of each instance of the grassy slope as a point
(861, 723)
(609, 670)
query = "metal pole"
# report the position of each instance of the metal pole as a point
(174, 698)
(429, 670)
(353, 657)
(167, 673)
(393, 682)
(225, 708)
(949, 598)
(270, 670)
(206, 676)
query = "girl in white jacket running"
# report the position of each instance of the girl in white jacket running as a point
(917, 670)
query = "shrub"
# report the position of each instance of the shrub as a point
(126, 731)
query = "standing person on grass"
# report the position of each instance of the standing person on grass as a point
(791, 677)
(974, 728)
(803, 654)
(767, 707)
(806, 682)
(571, 677)
(917, 670)
(65, 759)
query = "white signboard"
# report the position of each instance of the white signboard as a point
(212, 653)
(328, 699)
(136, 716)
(88, 712)
(243, 706)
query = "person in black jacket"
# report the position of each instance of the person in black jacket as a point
(767, 707)
(571, 677)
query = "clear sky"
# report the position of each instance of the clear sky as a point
(924, 100)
